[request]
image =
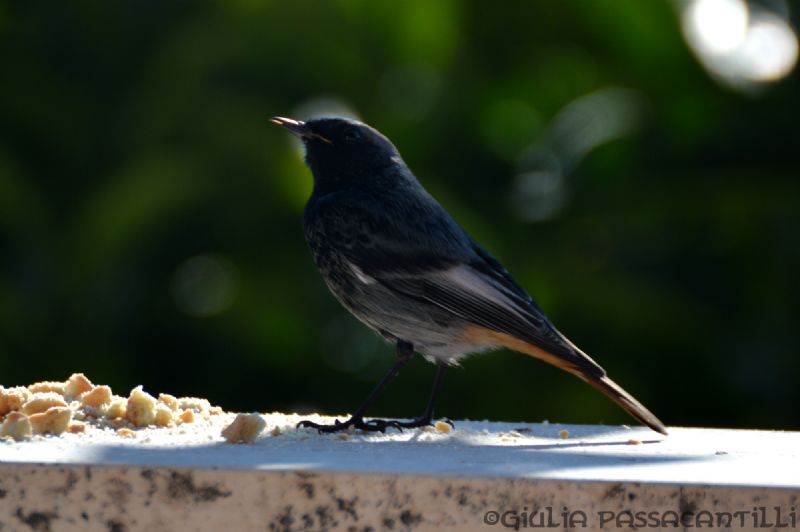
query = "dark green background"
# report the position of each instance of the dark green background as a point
(134, 136)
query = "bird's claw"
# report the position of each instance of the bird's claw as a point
(373, 425)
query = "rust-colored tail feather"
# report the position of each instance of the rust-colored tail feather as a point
(626, 401)
(586, 369)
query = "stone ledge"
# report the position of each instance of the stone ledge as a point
(411, 481)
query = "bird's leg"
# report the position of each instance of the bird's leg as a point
(405, 351)
(427, 417)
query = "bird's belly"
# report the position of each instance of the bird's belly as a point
(433, 331)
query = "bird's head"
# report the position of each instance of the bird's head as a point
(341, 151)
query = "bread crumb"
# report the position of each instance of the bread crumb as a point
(195, 404)
(12, 399)
(47, 386)
(343, 436)
(276, 431)
(170, 400)
(244, 429)
(118, 422)
(41, 402)
(634, 441)
(76, 385)
(117, 408)
(54, 421)
(563, 434)
(96, 397)
(16, 426)
(76, 427)
(141, 409)
(443, 426)
(514, 434)
(163, 416)
(78, 406)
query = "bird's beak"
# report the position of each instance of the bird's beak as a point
(298, 128)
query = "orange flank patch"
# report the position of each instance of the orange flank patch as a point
(478, 334)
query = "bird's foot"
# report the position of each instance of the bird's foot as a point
(423, 421)
(357, 423)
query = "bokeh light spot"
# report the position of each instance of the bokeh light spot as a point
(204, 286)
(741, 44)
(717, 26)
(770, 51)
(539, 195)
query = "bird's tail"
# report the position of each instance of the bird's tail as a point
(626, 401)
(586, 369)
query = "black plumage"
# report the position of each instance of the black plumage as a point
(398, 261)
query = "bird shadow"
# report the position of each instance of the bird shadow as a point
(461, 453)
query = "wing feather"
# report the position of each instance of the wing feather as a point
(439, 264)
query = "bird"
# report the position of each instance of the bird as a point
(399, 262)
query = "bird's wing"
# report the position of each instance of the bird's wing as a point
(438, 264)
(485, 294)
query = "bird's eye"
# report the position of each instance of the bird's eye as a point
(352, 135)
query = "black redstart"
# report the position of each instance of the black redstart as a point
(399, 262)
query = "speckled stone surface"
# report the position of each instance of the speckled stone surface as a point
(482, 476)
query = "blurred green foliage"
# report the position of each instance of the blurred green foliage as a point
(150, 215)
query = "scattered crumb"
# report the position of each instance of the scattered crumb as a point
(41, 402)
(12, 399)
(76, 385)
(169, 400)
(96, 397)
(16, 426)
(118, 422)
(443, 426)
(195, 404)
(48, 386)
(117, 408)
(244, 429)
(76, 427)
(141, 409)
(163, 417)
(53, 421)
(634, 441)
(77, 409)
(77, 406)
